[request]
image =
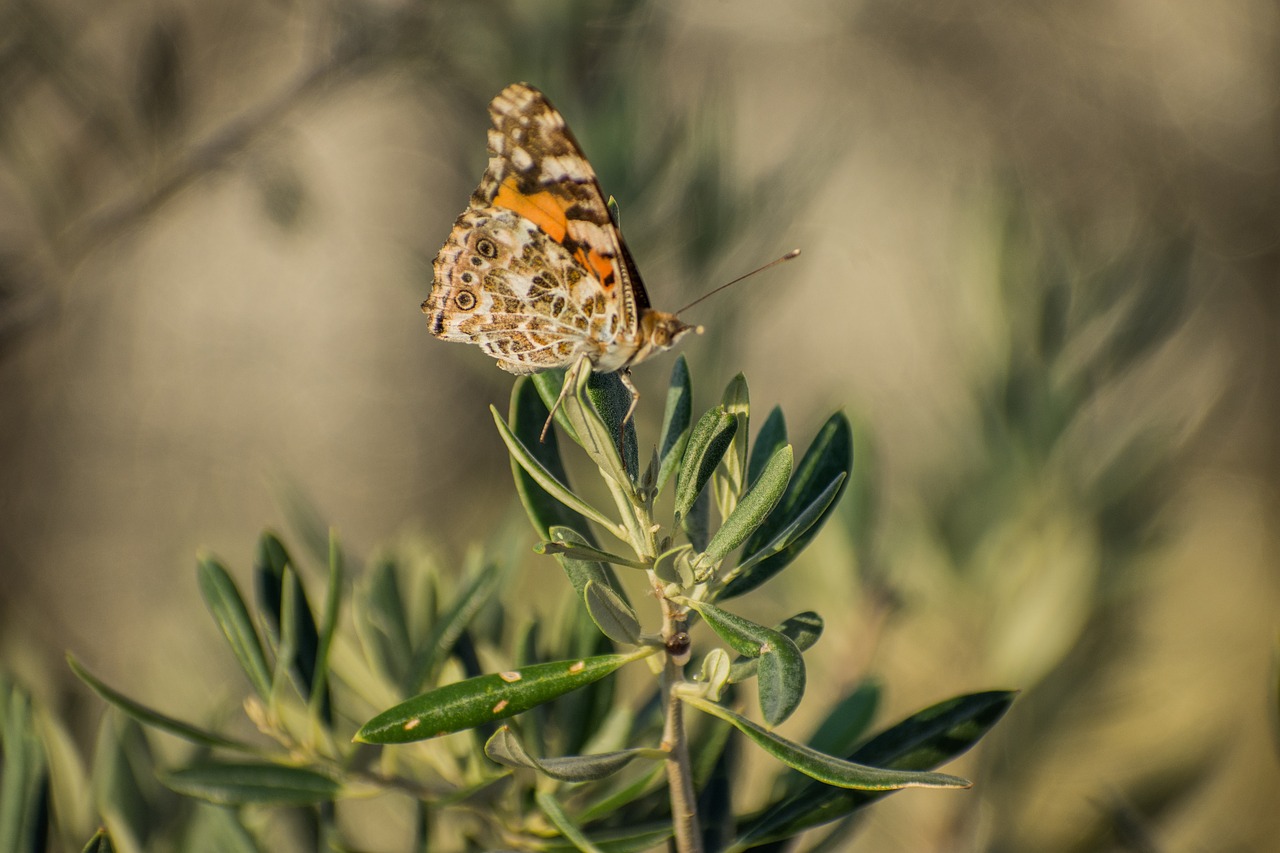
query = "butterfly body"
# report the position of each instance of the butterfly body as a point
(535, 271)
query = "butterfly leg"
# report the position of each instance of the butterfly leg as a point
(625, 375)
(570, 381)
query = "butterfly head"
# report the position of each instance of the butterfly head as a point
(660, 331)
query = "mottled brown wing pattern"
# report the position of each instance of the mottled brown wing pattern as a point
(502, 284)
(537, 169)
(535, 271)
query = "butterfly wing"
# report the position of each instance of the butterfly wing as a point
(535, 271)
(537, 170)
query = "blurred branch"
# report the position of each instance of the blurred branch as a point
(214, 152)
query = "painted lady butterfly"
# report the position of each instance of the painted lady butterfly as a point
(535, 271)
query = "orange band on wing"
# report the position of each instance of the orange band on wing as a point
(598, 264)
(543, 209)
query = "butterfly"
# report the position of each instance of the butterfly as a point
(535, 271)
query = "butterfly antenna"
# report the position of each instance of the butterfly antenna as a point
(794, 253)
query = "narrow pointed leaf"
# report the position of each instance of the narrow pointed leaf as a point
(848, 720)
(828, 457)
(223, 600)
(610, 400)
(845, 725)
(803, 629)
(151, 717)
(586, 552)
(448, 627)
(505, 748)
(485, 698)
(772, 435)
(320, 702)
(23, 796)
(99, 843)
(613, 801)
(675, 422)
(731, 477)
(589, 409)
(799, 525)
(751, 511)
(382, 621)
(252, 783)
(629, 839)
(695, 525)
(550, 484)
(613, 616)
(561, 821)
(528, 415)
(581, 571)
(708, 442)
(745, 637)
(934, 736)
(823, 767)
(274, 569)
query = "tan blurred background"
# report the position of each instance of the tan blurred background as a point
(1041, 247)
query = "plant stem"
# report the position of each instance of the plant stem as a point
(638, 520)
(684, 808)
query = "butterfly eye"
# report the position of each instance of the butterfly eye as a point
(465, 300)
(486, 247)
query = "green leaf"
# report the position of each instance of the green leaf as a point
(803, 629)
(848, 720)
(933, 736)
(23, 795)
(610, 399)
(707, 445)
(99, 843)
(550, 484)
(333, 599)
(505, 748)
(825, 768)
(256, 783)
(781, 681)
(628, 839)
(675, 422)
(742, 635)
(593, 408)
(273, 571)
(628, 793)
(772, 435)
(528, 414)
(780, 670)
(586, 552)
(467, 704)
(561, 821)
(695, 526)
(581, 571)
(714, 672)
(123, 781)
(613, 616)
(828, 459)
(846, 723)
(382, 623)
(731, 477)
(799, 525)
(446, 630)
(751, 511)
(223, 600)
(150, 717)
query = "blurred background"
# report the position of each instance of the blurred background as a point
(1041, 258)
